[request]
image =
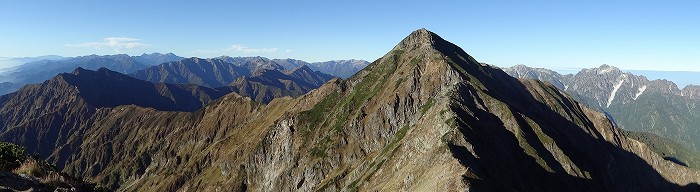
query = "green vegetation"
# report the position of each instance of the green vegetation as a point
(40, 175)
(672, 117)
(334, 110)
(11, 156)
(427, 105)
(531, 151)
(318, 112)
(667, 148)
(398, 82)
(319, 149)
(415, 61)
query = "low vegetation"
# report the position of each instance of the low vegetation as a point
(667, 148)
(21, 171)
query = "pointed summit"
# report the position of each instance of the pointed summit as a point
(425, 48)
(419, 38)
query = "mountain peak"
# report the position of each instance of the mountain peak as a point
(419, 38)
(606, 69)
(77, 71)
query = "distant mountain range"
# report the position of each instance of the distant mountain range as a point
(635, 102)
(39, 69)
(7, 64)
(424, 117)
(256, 77)
(339, 68)
(204, 72)
(42, 70)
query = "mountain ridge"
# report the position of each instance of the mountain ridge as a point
(425, 116)
(636, 103)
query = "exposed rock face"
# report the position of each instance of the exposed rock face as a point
(636, 103)
(425, 117)
(691, 91)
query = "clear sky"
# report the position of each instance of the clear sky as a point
(646, 35)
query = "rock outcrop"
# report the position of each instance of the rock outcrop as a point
(424, 117)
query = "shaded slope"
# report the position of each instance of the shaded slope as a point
(636, 103)
(425, 117)
(667, 148)
(43, 117)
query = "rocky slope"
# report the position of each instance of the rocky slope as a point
(425, 117)
(636, 103)
(43, 117)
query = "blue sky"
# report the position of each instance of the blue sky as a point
(644, 35)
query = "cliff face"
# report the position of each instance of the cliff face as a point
(425, 117)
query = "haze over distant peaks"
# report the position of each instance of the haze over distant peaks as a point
(424, 117)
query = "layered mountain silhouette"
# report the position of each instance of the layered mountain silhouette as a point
(339, 68)
(266, 85)
(39, 71)
(636, 103)
(156, 58)
(173, 70)
(253, 64)
(204, 72)
(255, 77)
(424, 117)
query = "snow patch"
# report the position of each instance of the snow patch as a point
(641, 90)
(614, 91)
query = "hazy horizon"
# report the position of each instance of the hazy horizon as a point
(628, 34)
